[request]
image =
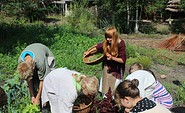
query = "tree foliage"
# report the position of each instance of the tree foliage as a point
(31, 9)
(119, 12)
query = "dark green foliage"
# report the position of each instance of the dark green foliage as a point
(182, 4)
(83, 19)
(17, 93)
(13, 35)
(147, 28)
(31, 9)
(67, 45)
(178, 26)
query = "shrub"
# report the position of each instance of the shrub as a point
(162, 29)
(148, 28)
(18, 97)
(33, 10)
(31, 109)
(180, 95)
(178, 26)
(144, 60)
(130, 50)
(82, 19)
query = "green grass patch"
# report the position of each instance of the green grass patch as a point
(68, 46)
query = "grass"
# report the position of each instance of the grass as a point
(68, 46)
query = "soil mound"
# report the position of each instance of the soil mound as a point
(174, 43)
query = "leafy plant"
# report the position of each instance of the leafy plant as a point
(68, 45)
(144, 60)
(31, 109)
(162, 29)
(82, 19)
(180, 98)
(17, 93)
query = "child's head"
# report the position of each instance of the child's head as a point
(110, 44)
(111, 33)
(126, 92)
(134, 67)
(25, 70)
(89, 85)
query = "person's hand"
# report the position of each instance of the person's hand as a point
(127, 110)
(35, 101)
(109, 56)
(32, 100)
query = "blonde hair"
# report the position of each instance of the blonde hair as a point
(91, 83)
(113, 48)
(25, 70)
(134, 67)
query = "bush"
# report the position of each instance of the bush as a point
(162, 29)
(180, 97)
(33, 10)
(148, 28)
(178, 26)
(130, 51)
(144, 60)
(17, 93)
(83, 20)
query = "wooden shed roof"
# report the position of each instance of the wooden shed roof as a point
(173, 6)
(174, 1)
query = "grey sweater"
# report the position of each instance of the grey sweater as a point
(40, 55)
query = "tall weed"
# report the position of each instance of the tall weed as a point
(83, 19)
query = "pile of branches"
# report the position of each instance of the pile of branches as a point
(174, 43)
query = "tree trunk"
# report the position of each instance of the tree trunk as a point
(128, 15)
(136, 23)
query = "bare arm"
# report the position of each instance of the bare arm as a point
(30, 86)
(117, 59)
(110, 57)
(40, 90)
(38, 96)
(89, 52)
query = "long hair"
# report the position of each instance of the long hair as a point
(113, 48)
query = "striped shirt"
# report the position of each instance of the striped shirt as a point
(162, 96)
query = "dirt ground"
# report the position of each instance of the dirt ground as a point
(175, 75)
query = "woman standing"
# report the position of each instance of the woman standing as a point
(113, 65)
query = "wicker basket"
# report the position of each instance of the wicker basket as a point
(94, 57)
(86, 105)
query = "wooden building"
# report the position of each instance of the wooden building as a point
(64, 5)
(174, 11)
